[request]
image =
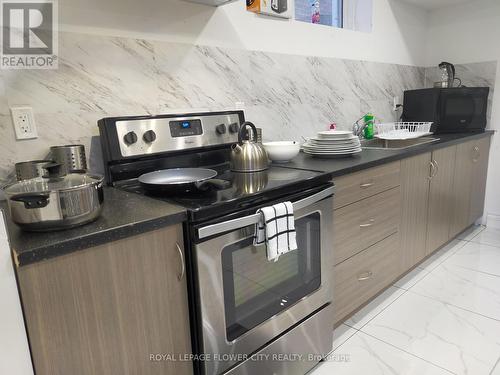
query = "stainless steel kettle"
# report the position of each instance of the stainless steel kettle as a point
(248, 155)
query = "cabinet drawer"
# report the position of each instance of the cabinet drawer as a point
(361, 277)
(361, 224)
(359, 185)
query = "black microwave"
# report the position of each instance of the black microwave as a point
(452, 110)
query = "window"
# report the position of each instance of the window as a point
(324, 12)
(348, 14)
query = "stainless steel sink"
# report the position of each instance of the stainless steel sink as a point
(382, 144)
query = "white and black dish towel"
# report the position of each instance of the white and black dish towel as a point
(276, 228)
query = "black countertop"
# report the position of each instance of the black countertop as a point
(123, 215)
(127, 214)
(371, 158)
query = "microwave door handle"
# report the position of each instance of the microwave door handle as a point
(226, 226)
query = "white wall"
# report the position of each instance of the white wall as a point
(398, 29)
(15, 357)
(464, 34)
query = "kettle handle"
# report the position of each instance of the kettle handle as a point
(243, 129)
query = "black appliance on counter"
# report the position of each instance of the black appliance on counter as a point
(452, 110)
(243, 308)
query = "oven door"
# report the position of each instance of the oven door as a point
(463, 109)
(245, 300)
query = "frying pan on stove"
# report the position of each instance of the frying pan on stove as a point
(182, 180)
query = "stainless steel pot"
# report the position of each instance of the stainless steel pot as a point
(30, 169)
(248, 155)
(54, 202)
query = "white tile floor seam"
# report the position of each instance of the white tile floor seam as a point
(374, 308)
(411, 278)
(440, 318)
(454, 305)
(478, 257)
(458, 340)
(341, 334)
(376, 355)
(442, 254)
(413, 355)
(488, 236)
(471, 232)
(472, 269)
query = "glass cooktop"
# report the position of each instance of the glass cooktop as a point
(240, 190)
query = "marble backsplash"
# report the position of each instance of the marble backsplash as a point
(288, 96)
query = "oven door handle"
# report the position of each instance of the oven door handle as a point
(226, 226)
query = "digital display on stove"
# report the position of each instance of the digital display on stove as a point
(185, 128)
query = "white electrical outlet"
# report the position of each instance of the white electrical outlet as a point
(395, 103)
(24, 122)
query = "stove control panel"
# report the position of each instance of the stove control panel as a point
(165, 133)
(185, 128)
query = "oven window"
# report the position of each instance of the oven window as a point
(255, 289)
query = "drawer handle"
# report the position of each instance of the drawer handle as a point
(180, 276)
(366, 185)
(365, 276)
(369, 224)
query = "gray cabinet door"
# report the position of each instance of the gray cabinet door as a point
(480, 156)
(415, 172)
(107, 309)
(462, 188)
(441, 199)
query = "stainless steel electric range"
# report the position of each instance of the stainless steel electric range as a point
(248, 315)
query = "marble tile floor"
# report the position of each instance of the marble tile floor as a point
(441, 318)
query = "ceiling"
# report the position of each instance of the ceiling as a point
(435, 4)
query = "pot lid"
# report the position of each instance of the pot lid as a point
(43, 184)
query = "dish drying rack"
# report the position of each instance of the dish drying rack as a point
(402, 130)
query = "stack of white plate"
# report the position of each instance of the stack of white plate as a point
(333, 144)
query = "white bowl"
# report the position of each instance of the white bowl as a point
(282, 151)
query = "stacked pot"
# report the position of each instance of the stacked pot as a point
(55, 194)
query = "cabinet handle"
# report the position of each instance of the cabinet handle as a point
(365, 276)
(180, 276)
(431, 170)
(366, 185)
(434, 169)
(437, 168)
(477, 153)
(369, 224)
